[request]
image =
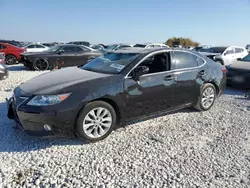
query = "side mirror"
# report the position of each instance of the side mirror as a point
(238, 59)
(225, 53)
(138, 71)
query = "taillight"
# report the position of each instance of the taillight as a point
(224, 70)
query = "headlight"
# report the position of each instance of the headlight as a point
(45, 100)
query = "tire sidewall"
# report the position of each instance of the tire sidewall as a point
(202, 90)
(79, 123)
(35, 61)
(12, 57)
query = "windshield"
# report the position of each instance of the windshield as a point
(111, 47)
(53, 49)
(217, 49)
(246, 58)
(140, 45)
(110, 63)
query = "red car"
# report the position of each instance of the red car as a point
(12, 53)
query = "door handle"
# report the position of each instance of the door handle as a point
(202, 72)
(169, 77)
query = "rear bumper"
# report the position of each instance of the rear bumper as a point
(33, 123)
(240, 80)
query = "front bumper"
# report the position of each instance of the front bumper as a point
(33, 122)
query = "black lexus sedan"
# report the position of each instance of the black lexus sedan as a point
(113, 89)
(238, 73)
(59, 56)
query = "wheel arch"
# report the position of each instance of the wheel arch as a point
(110, 102)
(214, 84)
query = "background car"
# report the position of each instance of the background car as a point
(3, 69)
(49, 44)
(13, 42)
(152, 45)
(58, 57)
(12, 53)
(225, 54)
(92, 100)
(98, 47)
(248, 47)
(82, 43)
(114, 47)
(36, 48)
(238, 73)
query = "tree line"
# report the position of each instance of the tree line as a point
(175, 41)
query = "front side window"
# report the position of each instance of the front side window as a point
(111, 62)
(2, 47)
(156, 63)
(31, 46)
(184, 60)
(54, 49)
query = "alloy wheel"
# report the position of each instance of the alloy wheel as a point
(208, 97)
(97, 122)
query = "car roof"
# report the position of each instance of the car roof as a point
(149, 50)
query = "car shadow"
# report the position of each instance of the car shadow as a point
(13, 139)
(236, 91)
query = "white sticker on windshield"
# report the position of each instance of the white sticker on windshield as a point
(117, 66)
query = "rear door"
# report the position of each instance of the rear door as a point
(189, 71)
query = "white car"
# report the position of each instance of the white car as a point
(36, 48)
(152, 45)
(226, 55)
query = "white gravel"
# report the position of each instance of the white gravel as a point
(182, 149)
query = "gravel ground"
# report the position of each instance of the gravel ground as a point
(182, 149)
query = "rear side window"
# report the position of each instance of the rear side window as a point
(185, 60)
(238, 50)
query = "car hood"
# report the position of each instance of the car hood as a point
(240, 65)
(54, 81)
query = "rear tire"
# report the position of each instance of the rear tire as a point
(96, 121)
(10, 60)
(41, 64)
(207, 97)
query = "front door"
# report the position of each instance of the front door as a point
(152, 93)
(229, 56)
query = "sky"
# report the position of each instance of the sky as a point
(211, 22)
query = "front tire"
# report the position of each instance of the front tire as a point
(96, 121)
(10, 60)
(207, 97)
(41, 64)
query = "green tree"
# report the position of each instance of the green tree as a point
(181, 41)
